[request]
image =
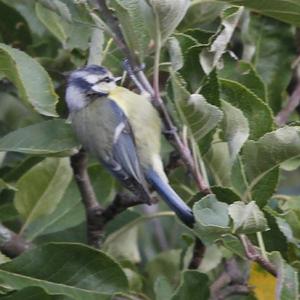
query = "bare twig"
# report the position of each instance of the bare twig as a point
(253, 254)
(294, 100)
(235, 289)
(79, 166)
(12, 244)
(92, 207)
(198, 254)
(232, 281)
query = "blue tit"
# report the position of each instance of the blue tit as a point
(122, 130)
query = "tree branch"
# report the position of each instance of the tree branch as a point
(198, 254)
(232, 281)
(294, 99)
(97, 216)
(253, 254)
(11, 244)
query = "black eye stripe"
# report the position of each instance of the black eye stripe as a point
(105, 79)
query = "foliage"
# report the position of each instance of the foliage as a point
(226, 69)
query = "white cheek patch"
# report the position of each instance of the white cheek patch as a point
(97, 88)
(74, 98)
(91, 78)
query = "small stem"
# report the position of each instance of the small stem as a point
(290, 107)
(261, 245)
(156, 60)
(253, 254)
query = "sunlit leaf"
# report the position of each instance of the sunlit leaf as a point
(287, 11)
(189, 286)
(212, 218)
(32, 81)
(53, 137)
(210, 58)
(41, 188)
(247, 218)
(256, 111)
(200, 116)
(75, 270)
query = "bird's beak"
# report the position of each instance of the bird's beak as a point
(118, 78)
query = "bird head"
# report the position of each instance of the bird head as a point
(86, 83)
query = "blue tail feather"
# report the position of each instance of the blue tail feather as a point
(183, 212)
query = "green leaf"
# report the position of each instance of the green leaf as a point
(288, 219)
(103, 182)
(192, 43)
(212, 218)
(68, 213)
(275, 52)
(8, 212)
(169, 14)
(32, 293)
(77, 271)
(287, 279)
(4, 258)
(10, 18)
(73, 28)
(54, 137)
(59, 7)
(233, 244)
(32, 81)
(175, 53)
(266, 187)
(210, 57)
(122, 243)
(26, 9)
(193, 286)
(261, 157)
(53, 22)
(135, 279)
(162, 288)
(275, 239)
(42, 188)
(225, 194)
(199, 115)
(244, 73)
(219, 162)
(287, 11)
(247, 218)
(236, 129)
(14, 114)
(166, 264)
(201, 12)
(257, 112)
(133, 16)
(125, 247)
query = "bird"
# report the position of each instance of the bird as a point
(122, 130)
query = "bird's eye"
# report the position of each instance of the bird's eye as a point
(107, 79)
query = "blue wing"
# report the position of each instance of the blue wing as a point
(123, 160)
